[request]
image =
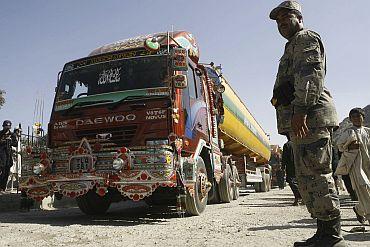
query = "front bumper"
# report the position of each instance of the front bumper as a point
(149, 169)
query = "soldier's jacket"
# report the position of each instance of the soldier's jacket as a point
(299, 85)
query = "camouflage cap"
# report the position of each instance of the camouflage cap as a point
(293, 5)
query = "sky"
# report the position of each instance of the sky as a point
(38, 37)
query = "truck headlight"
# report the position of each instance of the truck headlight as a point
(118, 163)
(38, 168)
(157, 142)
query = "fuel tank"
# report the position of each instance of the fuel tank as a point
(241, 133)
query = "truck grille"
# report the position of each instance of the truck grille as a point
(120, 135)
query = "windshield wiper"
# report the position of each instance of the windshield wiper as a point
(84, 103)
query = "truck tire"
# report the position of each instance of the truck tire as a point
(196, 202)
(93, 204)
(236, 183)
(225, 187)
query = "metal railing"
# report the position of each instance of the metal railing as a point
(29, 139)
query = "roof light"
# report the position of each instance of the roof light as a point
(152, 44)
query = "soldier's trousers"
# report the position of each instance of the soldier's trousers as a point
(312, 158)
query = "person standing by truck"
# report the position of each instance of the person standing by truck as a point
(7, 140)
(306, 112)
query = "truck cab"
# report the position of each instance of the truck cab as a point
(138, 119)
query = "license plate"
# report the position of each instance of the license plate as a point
(81, 163)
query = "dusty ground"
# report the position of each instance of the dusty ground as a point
(256, 219)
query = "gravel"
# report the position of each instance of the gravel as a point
(255, 219)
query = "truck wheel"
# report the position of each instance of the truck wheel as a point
(226, 187)
(196, 201)
(236, 183)
(93, 204)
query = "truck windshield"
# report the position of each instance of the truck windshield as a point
(113, 76)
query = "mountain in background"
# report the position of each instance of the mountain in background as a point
(346, 123)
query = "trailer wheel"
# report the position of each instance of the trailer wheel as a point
(236, 183)
(196, 201)
(226, 187)
(93, 204)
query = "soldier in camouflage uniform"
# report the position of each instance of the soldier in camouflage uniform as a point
(306, 112)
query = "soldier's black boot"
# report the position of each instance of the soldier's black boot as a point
(312, 240)
(331, 236)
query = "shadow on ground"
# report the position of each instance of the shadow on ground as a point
(295, 224)
(120, 214)
(358, 237)
(266, 205)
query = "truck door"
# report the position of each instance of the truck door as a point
(196, 123)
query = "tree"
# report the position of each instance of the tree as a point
(2, 98)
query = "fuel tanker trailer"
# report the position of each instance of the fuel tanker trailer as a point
(242, 138)
(142, 119)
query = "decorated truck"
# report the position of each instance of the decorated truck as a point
(142, 119)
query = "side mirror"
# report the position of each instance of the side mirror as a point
(180, 81)
(58, 80)
(198, 72)
(58, 77)
(219, 88)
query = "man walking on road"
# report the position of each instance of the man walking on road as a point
(306, 112)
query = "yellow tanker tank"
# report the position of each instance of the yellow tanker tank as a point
(240, 131)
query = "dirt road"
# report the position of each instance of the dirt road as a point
(255, 219)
